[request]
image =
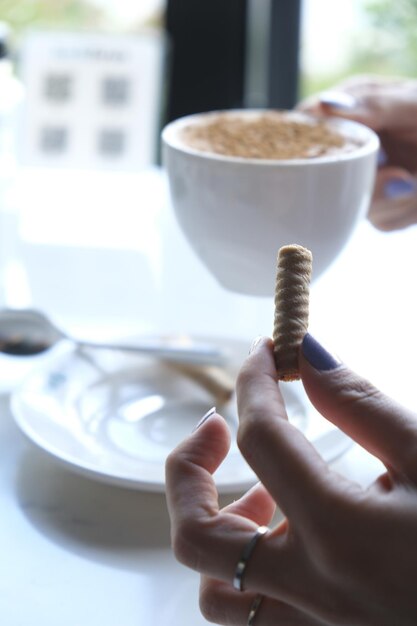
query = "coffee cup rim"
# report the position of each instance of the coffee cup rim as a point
(169, 136)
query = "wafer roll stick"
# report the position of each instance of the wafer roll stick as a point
(292, 292)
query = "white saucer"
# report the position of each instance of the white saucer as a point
(114, 417)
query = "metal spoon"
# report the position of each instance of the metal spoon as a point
(27, 332)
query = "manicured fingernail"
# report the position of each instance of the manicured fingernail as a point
(317, 356)
(399, 188)
(255, 344)
(338, 100)
(205, 418)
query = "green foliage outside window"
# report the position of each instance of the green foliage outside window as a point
(22, 15)
(390, 46)
(385, 43)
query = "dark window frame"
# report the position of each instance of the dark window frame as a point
(207, 55)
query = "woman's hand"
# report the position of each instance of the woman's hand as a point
(388, 106)
(343, 554)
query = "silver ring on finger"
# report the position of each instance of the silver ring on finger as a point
(245, 556)
(254, 607)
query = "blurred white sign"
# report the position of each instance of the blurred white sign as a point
(92, 100)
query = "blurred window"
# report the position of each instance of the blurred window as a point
(115, 90)
(111, 87)
(53, 139)
(111, 142)
(58, 87)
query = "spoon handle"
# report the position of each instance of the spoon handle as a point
(196, 353)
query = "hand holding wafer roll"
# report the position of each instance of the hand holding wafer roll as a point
(292, 292)
(295, 558)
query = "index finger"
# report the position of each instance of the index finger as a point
(385, 105)
(204, 538)
(281, 456)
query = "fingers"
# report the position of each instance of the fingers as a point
(189, 469)
(221, 604)
(283, 459)
(379, 104)
(389, 215)
(256, 505)
(394, 204)
(374, 420)
(204, 538)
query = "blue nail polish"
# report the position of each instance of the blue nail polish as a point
(399, 188)
(338, 100)
(317, 356)
(205, 418)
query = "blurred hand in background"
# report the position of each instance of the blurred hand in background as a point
(389, 107)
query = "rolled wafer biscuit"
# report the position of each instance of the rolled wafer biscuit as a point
(292, 291)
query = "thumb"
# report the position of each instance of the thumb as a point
(375, 421)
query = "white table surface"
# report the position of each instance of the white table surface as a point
(75, 552)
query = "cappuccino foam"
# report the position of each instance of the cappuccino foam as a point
(267, 135)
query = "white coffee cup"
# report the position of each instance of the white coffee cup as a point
(237, 212)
